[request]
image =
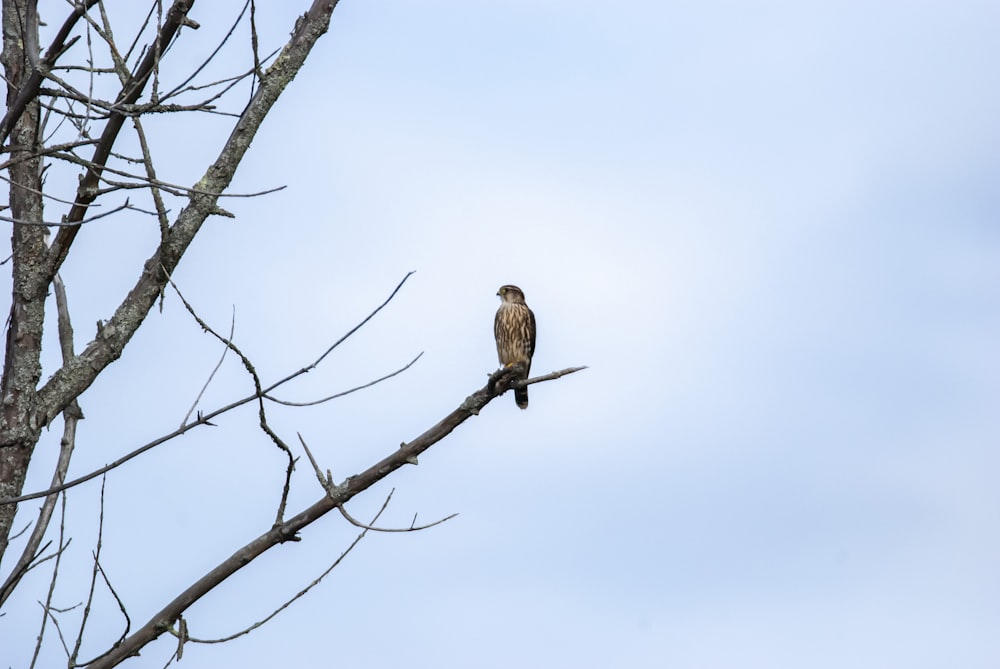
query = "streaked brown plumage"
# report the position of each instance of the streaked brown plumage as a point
(514, 328)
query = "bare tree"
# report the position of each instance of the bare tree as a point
(78, 107)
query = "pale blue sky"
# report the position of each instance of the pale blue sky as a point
(771, 231)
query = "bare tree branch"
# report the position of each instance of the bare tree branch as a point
(324, 481)
(180, 87)
(121, 607)
(346, 392)
(412, 528)
(47, 606)
(289, 529)
(54, 224)
(521, 383)
(49, 150)
(145, 181)
(181, 632)
(208, 381)
(71, 416)
(93, 581)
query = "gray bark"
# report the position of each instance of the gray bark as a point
(19, 430)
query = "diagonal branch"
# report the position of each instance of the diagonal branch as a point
(183, 637)
(288, 530)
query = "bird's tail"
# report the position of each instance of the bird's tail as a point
(521, 397)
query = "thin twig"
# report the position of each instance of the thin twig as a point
(325, 481)
(227, 81)
(411, 528)
(254, 44)
(346, 392)
(50, 612)
(142, 29)
(47, 607)
(93, 580)
(211, 56)
(47, 151)
(121, 607)
(19, 532)
(521, 383)
(225, 350)
(173, 189)
(358, 326)
(105, 214)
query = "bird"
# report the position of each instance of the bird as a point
(514, 329)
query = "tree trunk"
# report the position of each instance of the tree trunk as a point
(19, 430)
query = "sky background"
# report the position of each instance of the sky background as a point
(770, 229)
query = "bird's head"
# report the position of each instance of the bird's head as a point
(510, 293)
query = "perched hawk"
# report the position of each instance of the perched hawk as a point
(514, 328)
